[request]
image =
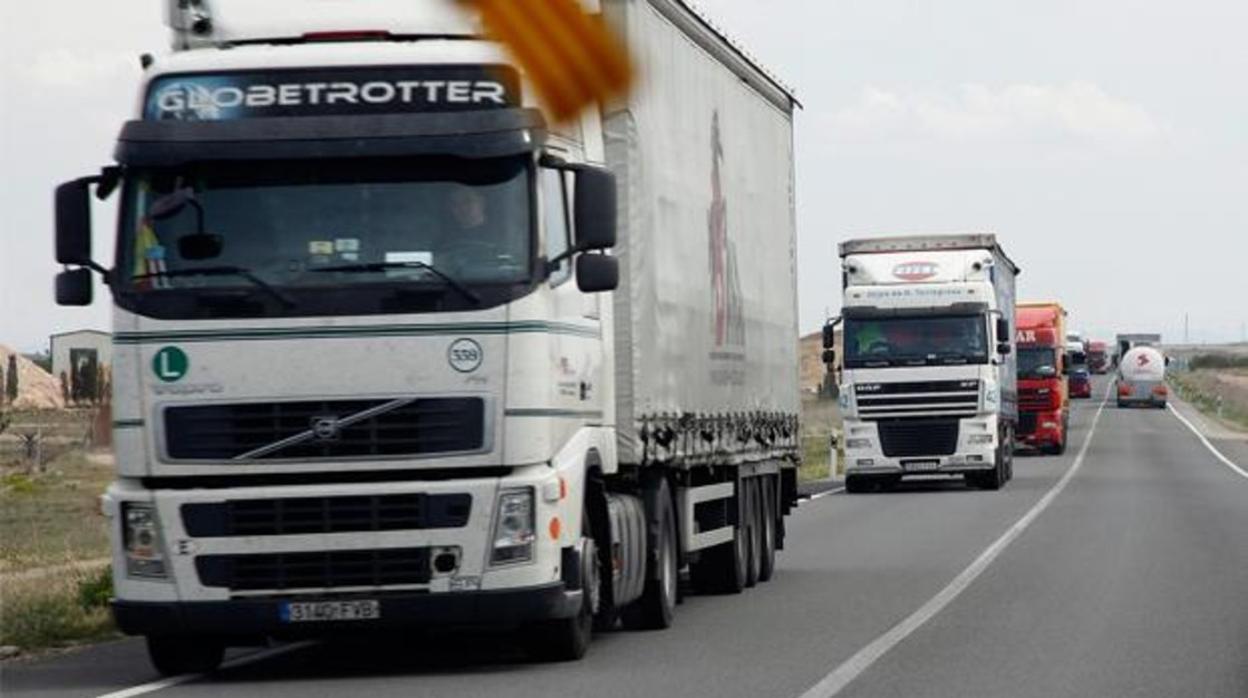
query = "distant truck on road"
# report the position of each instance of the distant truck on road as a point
(929, 377)
(1124, 342)
(1043, 393)
(1142, 378)
(374, 365)
(1098, 357)
(1078, 376)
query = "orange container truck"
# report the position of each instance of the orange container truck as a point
(1043, 398)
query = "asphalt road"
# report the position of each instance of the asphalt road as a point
(1123, 575)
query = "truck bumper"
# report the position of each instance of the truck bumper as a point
(976, 451)
(1048, 430)
(264, 616)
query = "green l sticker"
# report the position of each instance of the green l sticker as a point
(170, 364)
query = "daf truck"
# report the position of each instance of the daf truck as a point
(1043, 391)
(929, 375)
(393, 350)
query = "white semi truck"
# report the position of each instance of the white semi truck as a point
(929, 382)
(374, 364)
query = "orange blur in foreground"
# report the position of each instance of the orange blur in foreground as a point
(571, 58)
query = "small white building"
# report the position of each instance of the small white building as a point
(83, 357)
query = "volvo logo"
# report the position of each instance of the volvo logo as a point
(325, 428)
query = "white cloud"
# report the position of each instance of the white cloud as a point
(1076, 111)
(65, 69)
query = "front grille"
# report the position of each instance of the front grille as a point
(891, 400)
(1027, 422)
(315, 570)
(304, 515)
(1029, 399)
(909, 438)
(347, 429)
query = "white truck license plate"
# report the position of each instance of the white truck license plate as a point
(327, 611)
(921, 466)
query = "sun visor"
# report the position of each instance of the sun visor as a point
(485, 134)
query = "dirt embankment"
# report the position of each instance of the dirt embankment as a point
(36, 388)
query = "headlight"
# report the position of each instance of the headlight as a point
(513, 527)
(853, 444)
(145, 553)
(981, 438)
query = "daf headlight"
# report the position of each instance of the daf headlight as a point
(145, 552)
(855, 444)
(980, 439)
(514, 530)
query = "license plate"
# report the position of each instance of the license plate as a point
(921, 466)
(330, 611)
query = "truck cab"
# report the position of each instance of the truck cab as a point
(1078, 375)
(1098, 357)
(928, 380)
(1044, 398)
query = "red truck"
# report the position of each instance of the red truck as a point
(1098, 357)
(1043, 397)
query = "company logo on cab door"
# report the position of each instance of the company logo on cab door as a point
(916, 271)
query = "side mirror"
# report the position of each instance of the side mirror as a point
(1003, 348)
(73, 287)
(73, 222)
(595, 209)
(596, 273)
(1003, 330)
(829, 337)
(200, 246)
(829, 357)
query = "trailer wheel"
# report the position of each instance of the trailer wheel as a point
(184, 654)
(657, 605)
(767, 565)
(753, 521)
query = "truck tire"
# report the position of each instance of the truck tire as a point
(753, 521)
(721, 569)
(767, 564)
(567, 639)
(856, 484)
(184, 654)
(657, 605)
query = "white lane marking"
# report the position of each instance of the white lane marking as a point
(184, 678)
(862, 660)
(1212, 449)
(821, 495)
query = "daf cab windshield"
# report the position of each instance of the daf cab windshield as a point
(915, 341)
(341, 237)
(1037, 362)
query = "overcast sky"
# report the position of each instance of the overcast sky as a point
(1106, 143)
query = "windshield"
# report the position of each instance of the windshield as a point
(1032, 359)
(914, 341)
(313, 230)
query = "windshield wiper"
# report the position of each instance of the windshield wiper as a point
(385, 266)
(223, 271)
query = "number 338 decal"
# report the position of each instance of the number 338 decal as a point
(465, 355)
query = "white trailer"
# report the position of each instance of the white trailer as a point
(374, 365)
(929, 382)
